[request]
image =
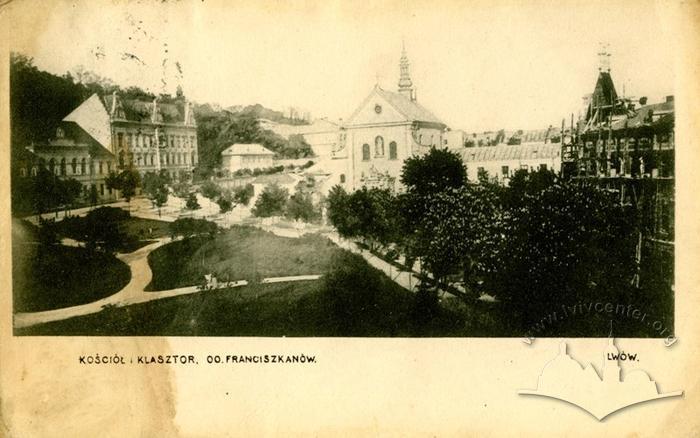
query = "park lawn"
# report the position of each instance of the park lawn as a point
(294, 309)
(145, 228)
(240, 253)
(139, 232)
(46, 277)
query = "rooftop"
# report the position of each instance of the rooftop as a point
(508, 152)
(409, 108)
(246, 149)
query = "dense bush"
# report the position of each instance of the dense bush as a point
(243, 195)
(188, 227)
(271, 202)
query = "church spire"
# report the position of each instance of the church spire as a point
(405, 83)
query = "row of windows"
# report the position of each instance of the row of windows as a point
(150, 159)
(379, 149)
(148, 141)
(505, 170)
(76, 167)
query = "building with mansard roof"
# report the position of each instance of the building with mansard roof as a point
(153, 135)
(109, 133)
(81, 149)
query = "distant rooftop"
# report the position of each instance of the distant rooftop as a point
(510, 152)
(247, 149)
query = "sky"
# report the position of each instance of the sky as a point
(476, 65)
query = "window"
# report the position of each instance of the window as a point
(102, 189)
(22, 172)
(342, 178)
(121, 159)
(120, 140)
(100, 168)
(52, 165)
(504, 170)
(379, 146)
(543, 166)
(82, 166)
(34, 171)
(392, 150)
(365, 152)
(63, 167)
(109, 168)
(60, 133)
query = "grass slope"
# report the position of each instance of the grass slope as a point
(48, 277)
(241, 253)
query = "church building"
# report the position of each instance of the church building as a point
(382, 132)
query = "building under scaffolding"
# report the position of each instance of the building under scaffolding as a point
(627, 146)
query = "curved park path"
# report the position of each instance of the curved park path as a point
(133, 292)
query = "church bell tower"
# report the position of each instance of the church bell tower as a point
(405, 83)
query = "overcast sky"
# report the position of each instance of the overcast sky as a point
(477, 67)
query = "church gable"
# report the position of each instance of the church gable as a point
(375, 109)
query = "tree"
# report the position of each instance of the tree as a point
(301, 207)
(156, 187)
(126, 182)
(192, 203)
(459, 232)
(225, 201)
(181, 189)
(436, 171)
(338, 205)
(243, 195)
(210, 190)
(271, 202)
(568, 243)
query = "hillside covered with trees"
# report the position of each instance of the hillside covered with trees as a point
(39, 100)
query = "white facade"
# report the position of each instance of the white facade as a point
(246, 156)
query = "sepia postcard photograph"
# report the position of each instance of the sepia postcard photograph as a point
(164, 184)
(324, 171)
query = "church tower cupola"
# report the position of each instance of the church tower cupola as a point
(405, 83)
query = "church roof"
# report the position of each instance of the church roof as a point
(409, 108)
(247, 149)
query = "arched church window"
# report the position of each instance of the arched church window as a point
(365, 152)
(82, 166)
(379, 146)
(63, 167)
(34, 171)
(74, 165)
(392, 150)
